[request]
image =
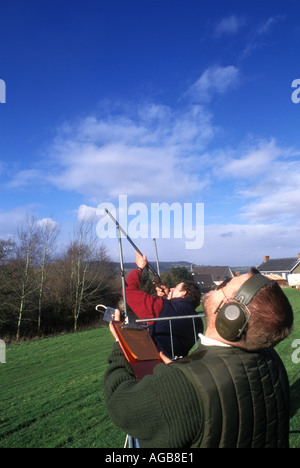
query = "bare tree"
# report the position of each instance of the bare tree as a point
(41, 291)
(87, 258)
(6, 249)
(27, 260)
(48, 231)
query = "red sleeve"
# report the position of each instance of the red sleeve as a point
(143, 305)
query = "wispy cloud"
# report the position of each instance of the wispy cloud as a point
(27, 178)
(255, 162)
(283, 204)
(152, 152)
(11, 219)
(213, 81)
(268, 175)
(248, 243)
(229, 25)
(147, 151)
(146, 154)
(257, 36)
(265, 27)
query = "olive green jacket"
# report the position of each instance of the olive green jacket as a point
(216, 397)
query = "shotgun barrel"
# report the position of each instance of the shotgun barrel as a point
(157, 278)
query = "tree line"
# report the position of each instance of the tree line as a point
(43, 292)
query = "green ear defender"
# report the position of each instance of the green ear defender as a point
(233, 317)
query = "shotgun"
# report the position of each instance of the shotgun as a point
(157, 278)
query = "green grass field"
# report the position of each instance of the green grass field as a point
(51, 391)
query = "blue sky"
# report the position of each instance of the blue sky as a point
(184, 101)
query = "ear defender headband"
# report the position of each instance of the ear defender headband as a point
(234, 316)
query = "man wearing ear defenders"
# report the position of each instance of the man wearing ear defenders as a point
(232, 392)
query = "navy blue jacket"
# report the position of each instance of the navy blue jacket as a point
(183, 332)
(146, 306)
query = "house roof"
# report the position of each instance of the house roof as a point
(279, 264)
(218, 273)
(275, 277)
(204, 280)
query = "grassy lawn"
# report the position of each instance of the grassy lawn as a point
(51, 390)
(51, 393)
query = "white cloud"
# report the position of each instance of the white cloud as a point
(214, 80)
(255, 162)
(230, 244)
(10, 220)
(266, 173)
(281, 203)
(258, 34)
(47, 223)
(150, 152)
(154, 153)
(266, 26)
(230, 25)
(241, 244)
(149, 156)
(27, 178)
(87, 213)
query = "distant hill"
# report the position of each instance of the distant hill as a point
(164, 266)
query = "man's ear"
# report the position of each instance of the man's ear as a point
(183, 293)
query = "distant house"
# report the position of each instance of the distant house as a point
(280, 266)
(209, 276)
(279, 279)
